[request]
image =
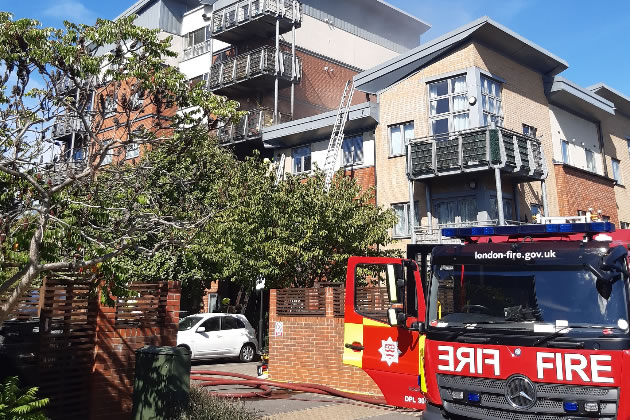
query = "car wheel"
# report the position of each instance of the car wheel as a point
(248, 352)
(184, 346)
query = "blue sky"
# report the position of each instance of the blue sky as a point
(592, 36)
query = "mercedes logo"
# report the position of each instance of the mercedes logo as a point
(520, 392)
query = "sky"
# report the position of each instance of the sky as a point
(592, 36)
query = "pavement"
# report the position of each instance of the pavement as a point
(283, 405)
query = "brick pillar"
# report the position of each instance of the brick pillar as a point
(330, 309)
(169, 335)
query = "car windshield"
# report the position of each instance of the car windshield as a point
(188, 322)
(462, 294)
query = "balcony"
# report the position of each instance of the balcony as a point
(250, 126)
(253, 70)
(65, 85)
(65, 125)
(520, 156)
(197, 49)
(245, 19)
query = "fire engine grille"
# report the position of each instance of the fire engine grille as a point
(495, 405)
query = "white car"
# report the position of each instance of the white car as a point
(216, 335)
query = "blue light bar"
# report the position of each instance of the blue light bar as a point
(474, 397)
(530, 230)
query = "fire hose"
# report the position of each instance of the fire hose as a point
(209, 378)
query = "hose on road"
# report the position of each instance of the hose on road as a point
(210, 378)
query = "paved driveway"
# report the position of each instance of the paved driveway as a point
(300, 406)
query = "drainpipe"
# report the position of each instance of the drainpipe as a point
(601, 147)
(412, 213)
(517, 208)
(497, 180)
(293, 63)
(275, 99)
(544, 198)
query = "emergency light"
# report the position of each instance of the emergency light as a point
(530, 230)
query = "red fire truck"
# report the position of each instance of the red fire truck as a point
(516, 322)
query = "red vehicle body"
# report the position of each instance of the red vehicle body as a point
(496, 328)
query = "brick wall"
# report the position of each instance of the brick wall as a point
(310, 351)
(616, 132)
(111, 383)
(365, 177)
(579, 190)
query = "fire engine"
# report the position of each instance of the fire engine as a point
(512, 322)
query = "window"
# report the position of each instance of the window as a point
(195, 37)
(566, 157)
(624, 225)
(536, 209)
(530, 131)
(402, 228)
(399, 135)
(617, 171)
(353, 150)
(107, 159)
(628, 140)
(491, 101)
(590, 160)
(231, 323)
(212, 302)
(108, 104)
(211, 324)
(508, 209)
(132, 151)
(456, 211)
(301, 159)
(448, 105)
(137, 98)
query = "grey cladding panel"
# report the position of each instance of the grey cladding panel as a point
(149, 16)
(171, 16)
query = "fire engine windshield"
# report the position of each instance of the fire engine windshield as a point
(526, 295)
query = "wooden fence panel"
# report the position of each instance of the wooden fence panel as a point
(301, 302)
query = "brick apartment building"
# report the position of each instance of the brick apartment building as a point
(558, 148)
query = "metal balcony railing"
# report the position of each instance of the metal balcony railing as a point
(476, 149)
(197, 49)
(66, 85)
(253, 64)
(67, 124)
(250, 126)
(244, 11)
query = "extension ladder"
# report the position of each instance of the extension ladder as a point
(336, 137)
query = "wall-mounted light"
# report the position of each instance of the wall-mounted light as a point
(472, 184)
(472, 100)
(205, 17)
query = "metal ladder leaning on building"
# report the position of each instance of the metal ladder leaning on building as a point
(280, 169)
(336, 137)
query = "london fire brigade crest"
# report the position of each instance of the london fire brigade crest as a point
(389, 351)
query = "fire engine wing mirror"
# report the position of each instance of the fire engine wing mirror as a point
(395, 282)
(615, 259)
(605, 280)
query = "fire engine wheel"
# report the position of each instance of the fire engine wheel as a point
(248, 352)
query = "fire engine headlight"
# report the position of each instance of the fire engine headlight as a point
(570, 406)
(473, 397)
(457, 395)
(591, 406)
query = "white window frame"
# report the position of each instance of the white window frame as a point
(486, 96)
(109, 104)
(132, 150)
(109, 156)
(405, 219)
(295, 153)
(616, 169)
(403, 128)
(528, 129)
(589, 158)
(353, 161)
(450, 95)
(566, 157)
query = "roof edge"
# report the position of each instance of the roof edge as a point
(409, 15)
(602, 85)
(561, 83)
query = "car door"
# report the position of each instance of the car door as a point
(390, 355)
(233, 335)
(208, 343)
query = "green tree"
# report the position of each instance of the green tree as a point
(57, 214)
(20, 404)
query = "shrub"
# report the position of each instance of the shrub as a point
(20, 404)
(204, 406)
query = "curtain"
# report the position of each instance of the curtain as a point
(458, 84)
(409, 131)
(402, 226)
(358, 149)
(396, 145)
(347, 151)
(438, 89)
(468, 209)
(460, 121)
(460, 103)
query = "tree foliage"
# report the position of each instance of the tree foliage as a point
(97, 79)
(20, 404)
